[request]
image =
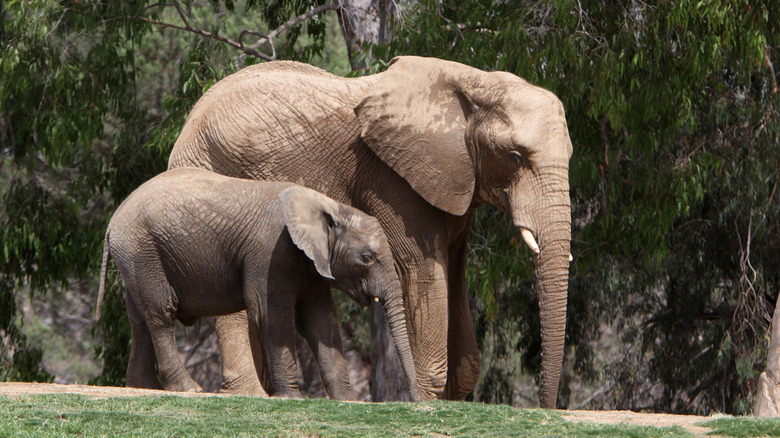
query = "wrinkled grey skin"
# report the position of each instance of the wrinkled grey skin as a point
(420, 147)
(191, 243)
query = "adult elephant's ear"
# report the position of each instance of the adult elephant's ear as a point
(414, 119)
(310, 217)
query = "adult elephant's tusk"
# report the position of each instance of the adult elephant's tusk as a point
(571, 257)
(528, 237)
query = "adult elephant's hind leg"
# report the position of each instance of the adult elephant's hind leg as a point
(462, 349)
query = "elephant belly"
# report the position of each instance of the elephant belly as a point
(209, 298)
(191, 309)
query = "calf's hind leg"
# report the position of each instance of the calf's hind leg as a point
(159, 314)
(141, 372)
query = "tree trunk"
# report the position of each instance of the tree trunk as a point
(362, 22)
(768, 395)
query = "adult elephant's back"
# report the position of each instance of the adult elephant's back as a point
(262, 114)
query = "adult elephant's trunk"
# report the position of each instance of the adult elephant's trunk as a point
(394, 311)
(551, 226)
(551, 269)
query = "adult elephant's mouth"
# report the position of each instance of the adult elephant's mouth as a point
(529, 239)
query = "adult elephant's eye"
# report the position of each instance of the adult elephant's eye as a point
(516, 158)
(367, 258)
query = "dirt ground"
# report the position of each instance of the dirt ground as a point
(601, 417)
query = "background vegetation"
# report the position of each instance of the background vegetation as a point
(672, 109)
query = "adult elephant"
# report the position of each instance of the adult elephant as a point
(420, 147)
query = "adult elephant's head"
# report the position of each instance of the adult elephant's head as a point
(464, 137)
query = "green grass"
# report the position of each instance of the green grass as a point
(743, 426)
(65, 415)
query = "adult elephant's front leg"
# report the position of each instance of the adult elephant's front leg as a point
(425, 299)
(462, 349)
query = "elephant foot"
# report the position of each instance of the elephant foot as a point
(343, 396)
(431, 387)
(290, 393)
(195, 388)
(462, 379)
(252, 389)
(143, 383)
(185, 385)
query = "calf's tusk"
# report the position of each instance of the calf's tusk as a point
(528, 237)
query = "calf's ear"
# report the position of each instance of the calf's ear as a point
(310, 217)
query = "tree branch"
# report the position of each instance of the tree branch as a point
(241, 57)
(772, 90)
(771, 70)
(274, 33)
(294, 21)
(247, 50)
(181, 14)
(228, 41)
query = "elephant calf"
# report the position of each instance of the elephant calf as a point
(191, 243)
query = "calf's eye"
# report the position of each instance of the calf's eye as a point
(367, 258)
